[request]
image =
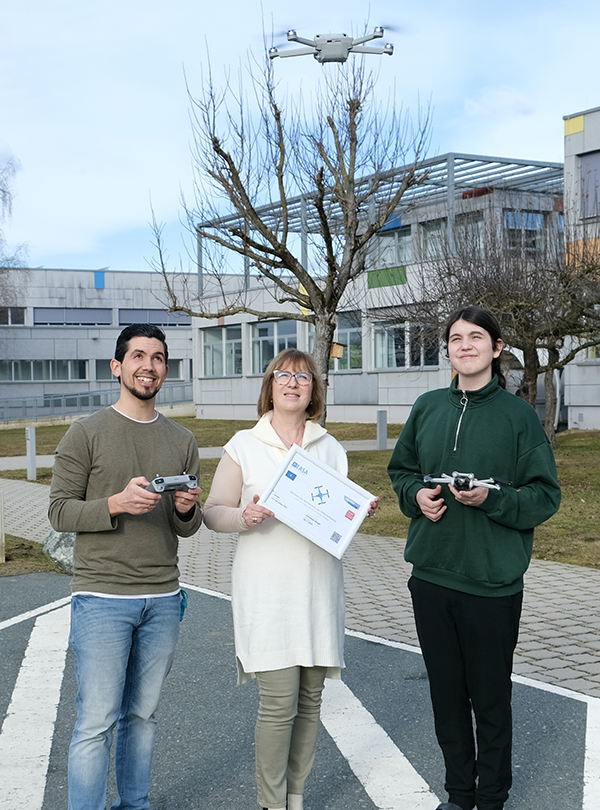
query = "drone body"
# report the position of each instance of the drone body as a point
(332, 47)
(462, 481)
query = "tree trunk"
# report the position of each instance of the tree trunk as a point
(550, 396)
(528, 389)
(324, 330)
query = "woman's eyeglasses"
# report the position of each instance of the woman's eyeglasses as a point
(302, 377)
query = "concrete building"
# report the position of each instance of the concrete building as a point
(582, 207)
(58, 336)
(387, 360)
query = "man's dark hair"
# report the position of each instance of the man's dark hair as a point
(147, 330)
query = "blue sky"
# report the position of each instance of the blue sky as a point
(93, 102)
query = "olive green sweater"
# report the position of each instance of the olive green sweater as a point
(125, 555)
(482, 550)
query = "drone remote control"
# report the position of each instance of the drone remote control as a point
(172, 483)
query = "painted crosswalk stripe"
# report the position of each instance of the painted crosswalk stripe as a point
(31, 614)
(28, 728)
(385, 773)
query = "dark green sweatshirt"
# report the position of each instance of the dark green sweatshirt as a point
(482, 550)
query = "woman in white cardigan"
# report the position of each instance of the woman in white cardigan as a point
(287, 593)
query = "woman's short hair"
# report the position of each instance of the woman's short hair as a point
(485, 320)
(298, 361)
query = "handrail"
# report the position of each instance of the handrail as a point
(63, 405)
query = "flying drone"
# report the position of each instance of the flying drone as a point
(332, 47)
(462, 481)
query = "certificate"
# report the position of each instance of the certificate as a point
(315, 500)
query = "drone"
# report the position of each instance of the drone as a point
(462, 481)
(332, 47)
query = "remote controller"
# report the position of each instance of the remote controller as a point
(171, 483)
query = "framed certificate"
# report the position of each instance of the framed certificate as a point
(315, 500)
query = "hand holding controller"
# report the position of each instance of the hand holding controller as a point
(173, 483)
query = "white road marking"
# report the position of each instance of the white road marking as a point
(386, 775)
(31, 614)
(591, 774)
(28, 728)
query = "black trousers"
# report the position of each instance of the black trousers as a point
(468, 644)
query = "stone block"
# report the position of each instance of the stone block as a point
(59, 547)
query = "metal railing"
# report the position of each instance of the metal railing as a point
(63, 405)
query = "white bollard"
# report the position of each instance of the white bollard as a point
(382, 430)
(31, 460)
(2, 537)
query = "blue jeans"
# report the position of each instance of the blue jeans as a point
(123, 650)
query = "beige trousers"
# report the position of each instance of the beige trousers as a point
(286, 731)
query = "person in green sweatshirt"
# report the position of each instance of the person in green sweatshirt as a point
(470, 548)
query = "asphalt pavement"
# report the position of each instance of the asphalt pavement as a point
(204, 754)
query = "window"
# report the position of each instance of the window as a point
(433, 235)
(590, 185)
(72, 316)
(12, 316)
(233, 350)
(222, 343)
(286, 335)
(524, 231)
(158, 317)
(213, 351)
(46, 370)
(393, 247)
(349, 334)
(469, 233)
(390, 346)
(403, 345)
(103, 371)
(175, 367)
(267, 335)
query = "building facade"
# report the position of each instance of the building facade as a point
(582, 204)
(387, 358)
(58, 335)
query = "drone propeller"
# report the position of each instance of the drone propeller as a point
(393, 29)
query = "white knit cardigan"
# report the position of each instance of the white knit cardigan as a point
(287, 593)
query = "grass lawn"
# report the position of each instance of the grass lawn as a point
(208, 433)
(24, 557)
(571, 536)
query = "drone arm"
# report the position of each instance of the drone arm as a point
(377, 34)
(293, 37)
(389, 49)
(443, 479)
(487, 482)
(292, 52)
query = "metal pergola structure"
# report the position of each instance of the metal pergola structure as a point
(447, 177)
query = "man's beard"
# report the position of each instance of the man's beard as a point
(143, 395)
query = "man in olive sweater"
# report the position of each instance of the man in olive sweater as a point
(126, 600)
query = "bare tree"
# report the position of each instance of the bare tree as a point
(9, 260)
(267, 170)
(546, 297)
